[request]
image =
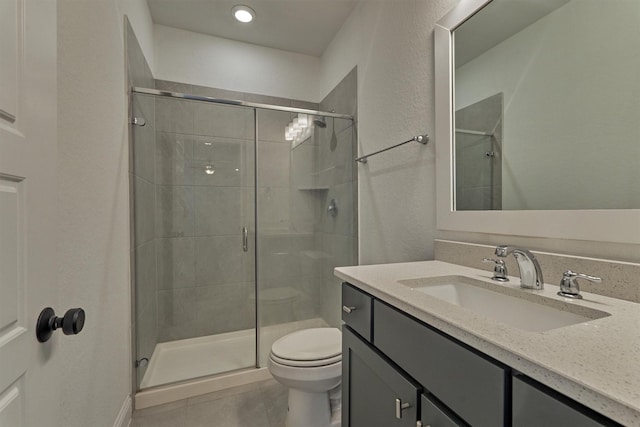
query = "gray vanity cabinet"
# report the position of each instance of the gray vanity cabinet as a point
(467, 383)
(374, 393)
(535, 405)
(389, 355)
(433, 414)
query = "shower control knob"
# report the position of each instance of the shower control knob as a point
(71, 323)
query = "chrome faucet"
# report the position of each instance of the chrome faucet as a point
(530, 271)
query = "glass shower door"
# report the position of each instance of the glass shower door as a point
(194, 227)
(300, 240)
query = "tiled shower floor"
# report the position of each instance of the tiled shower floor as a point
(262, 404)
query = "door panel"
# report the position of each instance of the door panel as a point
(11, 54)
(28, 209)
(13, 325)
(10, 232)
(12, 405)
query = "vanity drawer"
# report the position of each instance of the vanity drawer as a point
(467, 383)
(536, 405)
(356, 310)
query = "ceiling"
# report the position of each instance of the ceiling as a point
(303, 26)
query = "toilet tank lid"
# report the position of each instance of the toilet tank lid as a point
(309, 344)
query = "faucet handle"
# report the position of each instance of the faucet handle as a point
(501, 250)
(499, 269)
(569, 286)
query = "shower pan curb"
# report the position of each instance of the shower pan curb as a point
(193, 388)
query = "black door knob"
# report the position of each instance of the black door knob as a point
(71, 324)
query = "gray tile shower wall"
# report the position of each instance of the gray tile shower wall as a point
(138, 71)
(478, 157)
(142, 176)
(336, 172)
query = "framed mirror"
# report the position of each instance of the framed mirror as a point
(538, 118)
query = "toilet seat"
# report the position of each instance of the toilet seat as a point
(308, 348)
(306, 363)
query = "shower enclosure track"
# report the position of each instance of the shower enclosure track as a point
(238, 103)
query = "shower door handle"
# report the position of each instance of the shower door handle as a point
(245, 239)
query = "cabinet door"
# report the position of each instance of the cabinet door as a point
(463, 380)
(434, 415)
(535, 405)
(374, 393)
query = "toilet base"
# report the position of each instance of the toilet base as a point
(311, 410)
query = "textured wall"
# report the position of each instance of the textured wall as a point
(199, 59)
(93, 211)
(392, 45)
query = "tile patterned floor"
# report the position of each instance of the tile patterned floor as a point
(262, 404)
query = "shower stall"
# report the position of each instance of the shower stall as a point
(240, 212)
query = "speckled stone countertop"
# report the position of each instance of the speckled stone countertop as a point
(596, 363)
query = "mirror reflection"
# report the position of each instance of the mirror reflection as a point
(547, 106)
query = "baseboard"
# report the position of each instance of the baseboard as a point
(124, 416)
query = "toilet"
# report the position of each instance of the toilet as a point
(309, 363)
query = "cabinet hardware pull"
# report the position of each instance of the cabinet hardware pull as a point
(348, 309)
(400, 406)
(245, 239)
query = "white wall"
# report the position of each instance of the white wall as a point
(188, 57)
(391, 42)
(140, 19)
(93, 211)
(570, 117)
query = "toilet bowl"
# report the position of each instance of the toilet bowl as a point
(309, 363)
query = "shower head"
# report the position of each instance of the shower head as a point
(320, 122)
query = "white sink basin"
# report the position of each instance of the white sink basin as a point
(523, 310)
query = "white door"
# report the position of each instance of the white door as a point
(29, 375)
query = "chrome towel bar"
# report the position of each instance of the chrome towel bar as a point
(422, 139)
(7, 116)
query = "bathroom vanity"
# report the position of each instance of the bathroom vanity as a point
(416, 353)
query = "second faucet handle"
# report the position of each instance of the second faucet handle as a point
(499, 269)
(569, 286)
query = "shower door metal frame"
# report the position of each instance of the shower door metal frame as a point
(237, 103)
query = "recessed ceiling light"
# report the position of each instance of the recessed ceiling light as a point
(243, 14)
